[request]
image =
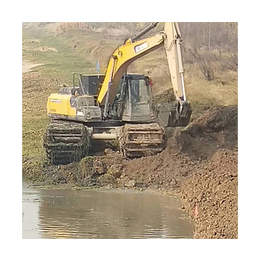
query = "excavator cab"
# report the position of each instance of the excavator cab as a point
(136, 93)
(137, 104)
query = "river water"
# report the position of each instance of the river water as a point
(56, 213)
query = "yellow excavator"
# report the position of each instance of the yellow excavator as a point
(118, 105)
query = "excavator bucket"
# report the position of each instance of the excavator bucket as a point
(184, 113)
(173, 114)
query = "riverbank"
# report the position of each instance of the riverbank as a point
(199, 164)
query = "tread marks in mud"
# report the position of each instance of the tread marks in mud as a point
(139, 140)
(66, 142)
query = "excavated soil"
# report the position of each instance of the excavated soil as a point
(200, 163)
(211, 197)
(215, 129)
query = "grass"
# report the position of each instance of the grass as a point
(77, 51)
(61, 63)
(222, 91)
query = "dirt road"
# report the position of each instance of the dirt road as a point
(27, 66)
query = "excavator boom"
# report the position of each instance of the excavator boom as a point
(119, 61)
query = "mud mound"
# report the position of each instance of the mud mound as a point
(165, 170)
(214, 130)
(89, 172)
(212, 192)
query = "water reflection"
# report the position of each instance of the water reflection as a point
(30, 215)
(105, 214)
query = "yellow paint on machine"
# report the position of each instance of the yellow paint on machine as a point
(121, 58)
(60, 104)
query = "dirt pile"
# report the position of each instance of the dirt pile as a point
(211, 196)
(215, 129)
(165, 170)
(91, 171)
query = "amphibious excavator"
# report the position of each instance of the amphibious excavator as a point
(118, 105)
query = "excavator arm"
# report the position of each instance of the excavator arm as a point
(172, 46)
(133, 49)
(119, 61)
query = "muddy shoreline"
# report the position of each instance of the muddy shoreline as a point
(199, 165)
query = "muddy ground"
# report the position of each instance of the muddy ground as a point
(200, 163)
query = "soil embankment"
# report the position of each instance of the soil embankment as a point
(210, 195)
(199, 163)
(210, 192)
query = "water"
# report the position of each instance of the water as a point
(102, 214)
